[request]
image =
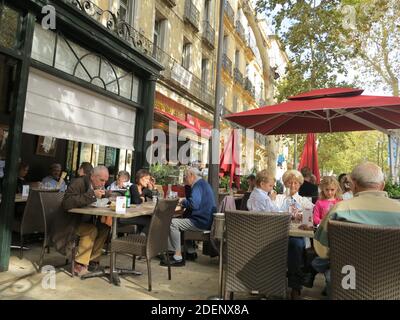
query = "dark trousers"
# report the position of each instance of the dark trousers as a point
(295, 262)
(143, 223)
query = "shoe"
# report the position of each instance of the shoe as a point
(80, 269)
(93, 266)
(191, 256)
(295, 294)
(161, 256)
(173, 263)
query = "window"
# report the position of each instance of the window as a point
(204, 72)
(127, 10)
(207, 12)
(187, 46)
(235, 104)
(237, 58)
(225, 46)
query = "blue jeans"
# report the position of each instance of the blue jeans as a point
(295, 262)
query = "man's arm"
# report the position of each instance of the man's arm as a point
(76, 196)
(193, 202)
(321, 243)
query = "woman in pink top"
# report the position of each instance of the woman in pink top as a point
(329, 196)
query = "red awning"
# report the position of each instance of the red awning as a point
(181, 122)
(324, 110)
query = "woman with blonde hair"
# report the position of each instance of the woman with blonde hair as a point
(292, 202)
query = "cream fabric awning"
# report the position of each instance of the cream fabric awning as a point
(60, 109)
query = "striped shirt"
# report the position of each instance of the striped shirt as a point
(367, 207)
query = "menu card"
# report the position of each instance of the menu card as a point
(25, 190)
(120, 205)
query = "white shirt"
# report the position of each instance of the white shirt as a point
(283, 202)
(347, 195)
(260, 201)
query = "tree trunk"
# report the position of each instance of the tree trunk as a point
(272, 150)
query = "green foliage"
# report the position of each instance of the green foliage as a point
(310, 31)
(244, 184)
(340, 152)
(393, 190)
(224, 182)
(163, 173)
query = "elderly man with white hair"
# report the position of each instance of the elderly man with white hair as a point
(199, 209)
(91, 231)
(370, 205)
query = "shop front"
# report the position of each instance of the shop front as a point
(73, 94)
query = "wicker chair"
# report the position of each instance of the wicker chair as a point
(33, 220)
(154, 243)
(257, 245)
(374, 253)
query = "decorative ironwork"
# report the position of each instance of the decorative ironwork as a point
(248, 85)
(238, 76)
(119, 27)
(88, 66)
(208, 34)
(170, 3)
(227, 64)
(192, 14)
(240, 30)
(228, 10)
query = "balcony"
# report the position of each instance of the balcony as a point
(191, 14)
(227, 64)
(170, 3)
(228, 10)
(248, 86)
(118, 27)
(208, 34)
(177, 75)
(238, 76)
(240, 30)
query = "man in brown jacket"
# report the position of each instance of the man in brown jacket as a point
(92, 233)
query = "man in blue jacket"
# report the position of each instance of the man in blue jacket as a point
(201, 207)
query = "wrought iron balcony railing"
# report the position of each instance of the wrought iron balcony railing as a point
(229, 12)
(173, 70)
(227, 64)
(192, 14)
(249, 87)
(240, 30)
(176, 74)
(238, 76)
(119, 27)
(170, 3)
(208, 34)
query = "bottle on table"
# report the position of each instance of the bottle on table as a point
(128, 198)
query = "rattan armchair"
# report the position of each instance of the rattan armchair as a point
(156, 241)
(41, 211)
(256, 255)
(373, 251)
